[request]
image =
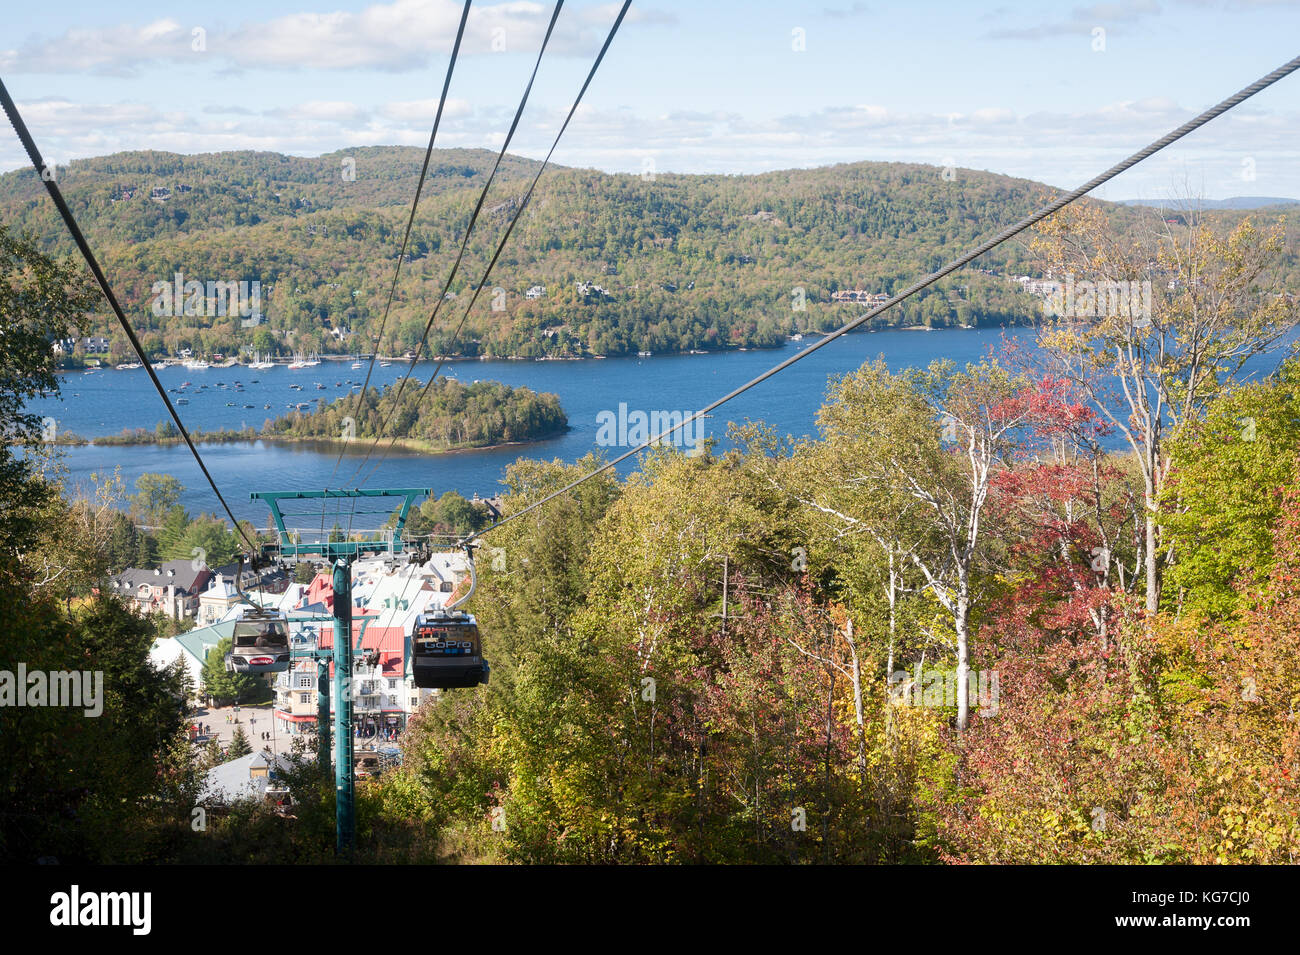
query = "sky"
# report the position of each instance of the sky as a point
(1050, 91)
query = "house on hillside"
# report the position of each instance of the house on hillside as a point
(217, 600)
(172, 589)
(859, 296)
(272, 580)
(192, 648)
(286, 598)
(387, 599)
(1043, 288)
(295, 698)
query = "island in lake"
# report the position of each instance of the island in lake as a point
(444, 415)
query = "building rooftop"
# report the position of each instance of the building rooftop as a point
(235, 780)
(178, 573)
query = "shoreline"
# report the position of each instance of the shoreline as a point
(236, 437)
(787, 339)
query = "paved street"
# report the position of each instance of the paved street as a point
(254, 720)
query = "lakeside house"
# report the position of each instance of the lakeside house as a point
(859, 297)
(1043, 288)
(217, 600)
(92, 344)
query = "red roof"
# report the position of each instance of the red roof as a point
(389, 641)
(320, 590)
(391, 664)
(375, 638)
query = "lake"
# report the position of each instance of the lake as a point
(105, 402)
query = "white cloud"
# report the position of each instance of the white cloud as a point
(330, 111)
(424, 110)
(118, 50)
(1056, 147)
(392, 37)
(1083, 20)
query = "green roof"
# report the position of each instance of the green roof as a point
(200, 640)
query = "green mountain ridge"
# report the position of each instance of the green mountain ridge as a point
(666, 263)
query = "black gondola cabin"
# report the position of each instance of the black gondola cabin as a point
(446, 652)
(261, 644)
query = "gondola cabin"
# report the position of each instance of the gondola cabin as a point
(446, 652)
(261, 644)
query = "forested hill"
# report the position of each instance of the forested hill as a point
(113, 196)
(667, 263)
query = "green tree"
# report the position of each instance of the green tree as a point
(97, 782)
(227, 686)
(239, 745)
(41, 301)
(211, 755)
(155, 495)
(1223, 495)
(264, 342)
(1149, 374)
(123, 543)
(81, 788)
(454, 514)
(936, 441)
(171, 537)
(209, 537)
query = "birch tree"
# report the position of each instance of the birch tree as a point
(1152, 325)
(935, 438)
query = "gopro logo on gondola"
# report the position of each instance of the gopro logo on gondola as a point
(428, 645)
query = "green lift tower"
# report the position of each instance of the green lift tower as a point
(339, 554)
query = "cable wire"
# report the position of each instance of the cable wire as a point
(20, 127)
(514, 125)
(1008, 233)
(406, 236)
(510, 228)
